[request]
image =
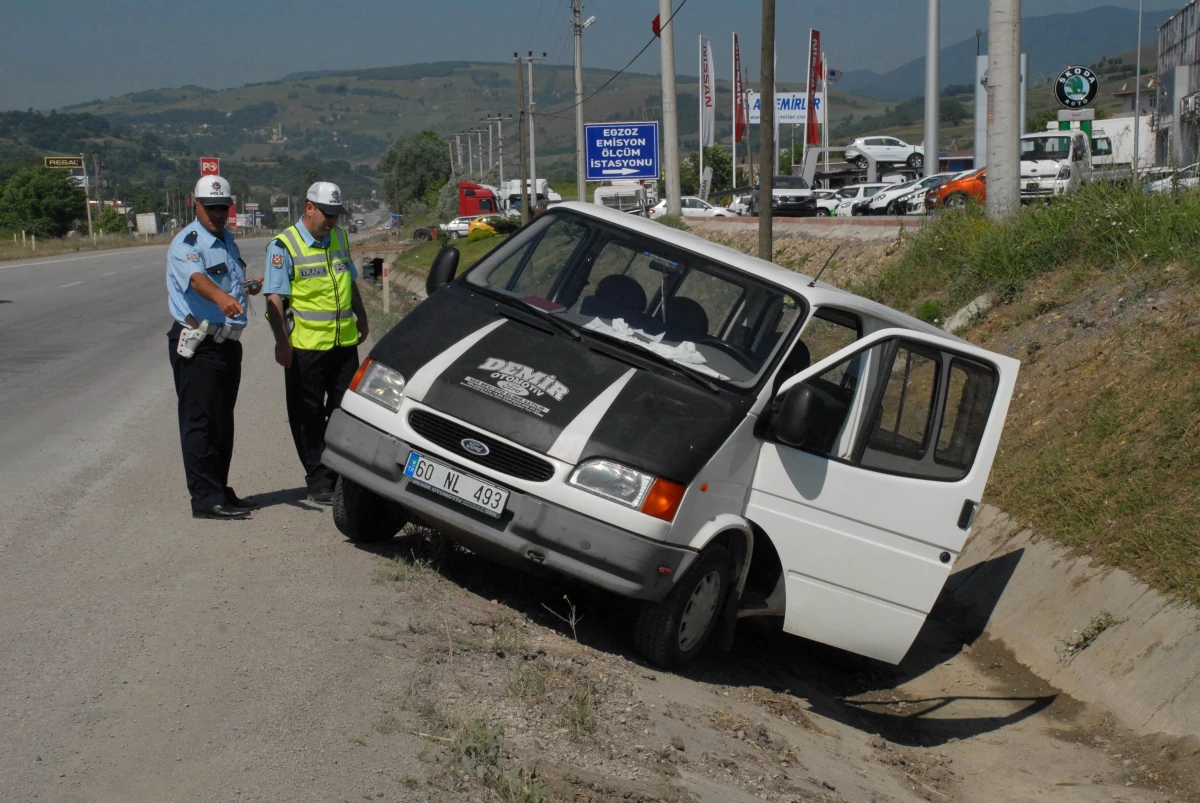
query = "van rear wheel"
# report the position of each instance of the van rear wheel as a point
(363, 516)
(673, 632)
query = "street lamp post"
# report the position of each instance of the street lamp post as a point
(1137, 98)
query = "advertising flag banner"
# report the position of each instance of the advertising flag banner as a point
(814, 73)
(739, 95)
(708, 93)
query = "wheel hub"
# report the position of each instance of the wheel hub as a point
(700, 610)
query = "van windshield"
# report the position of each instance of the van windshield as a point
(1038, 148)
(642, 294)
(790, 183)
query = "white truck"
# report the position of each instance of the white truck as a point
(510, 194)
(1113, 155)
(635, 197)
(1054, 163)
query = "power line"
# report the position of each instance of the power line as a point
(559, 112)
(536, 19)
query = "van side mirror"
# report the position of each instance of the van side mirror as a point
(794, 419)
(445, 265)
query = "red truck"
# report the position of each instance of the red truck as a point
(477, 199)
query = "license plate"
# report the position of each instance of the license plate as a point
(453, 484)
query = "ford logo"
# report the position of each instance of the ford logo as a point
(475, 447)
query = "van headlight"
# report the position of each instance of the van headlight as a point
(612, 480)
(379, 383)
(1064, 172)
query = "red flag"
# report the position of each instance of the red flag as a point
(656, 26)
(814, 71)
(739, 125)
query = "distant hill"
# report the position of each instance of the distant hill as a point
(354, 115)
(1052, 42)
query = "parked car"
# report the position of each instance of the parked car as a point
(494, 224)
(852, 194)
(889, 201)
(352, 229)
(791, 195)
(1184, 178)
(692, 207)
(458, 227)
(826, 201)
(884, 150)
(741, 205)
(957, 193)
(699, 431)
(914, 202)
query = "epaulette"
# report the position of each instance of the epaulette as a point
(190, 239)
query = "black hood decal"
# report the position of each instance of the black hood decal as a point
(523, 384)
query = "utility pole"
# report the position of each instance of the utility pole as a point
(87, 203)
(580, 169)
(498, 119)
(458, 147)
(670, 111)
(932, 86)
(479, 134)
(470, 156)
(99, 208)
(530, 59)
(1137, 99)
(521, 138)
(1004, 108)
(449, 147)
(766, 128)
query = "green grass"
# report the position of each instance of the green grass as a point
(963, 254)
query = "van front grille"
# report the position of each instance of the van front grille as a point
(500, 456)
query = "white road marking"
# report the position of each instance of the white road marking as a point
(110, 273)
(70, 284)
(135, 267)
(55, 261)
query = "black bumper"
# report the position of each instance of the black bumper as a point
(531, 531)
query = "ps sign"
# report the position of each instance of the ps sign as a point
(621, 151)
(210, 166)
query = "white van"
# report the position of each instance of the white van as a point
(1054, 163)
(674, 421)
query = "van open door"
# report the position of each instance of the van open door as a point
(873, 463)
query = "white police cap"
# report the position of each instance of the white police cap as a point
(213, 191)
(327, 197)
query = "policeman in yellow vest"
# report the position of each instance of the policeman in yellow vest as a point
(318, 319)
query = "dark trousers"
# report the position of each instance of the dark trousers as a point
(315, 384)
(207, 387)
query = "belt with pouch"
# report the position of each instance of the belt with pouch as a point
(218, 332)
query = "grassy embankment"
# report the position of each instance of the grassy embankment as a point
(1098, 296)
(413, 263)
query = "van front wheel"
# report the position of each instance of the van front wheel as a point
(673, 632)
(363, 516)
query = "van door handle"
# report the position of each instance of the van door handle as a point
(967, 514)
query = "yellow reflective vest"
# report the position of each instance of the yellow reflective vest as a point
(320, 298)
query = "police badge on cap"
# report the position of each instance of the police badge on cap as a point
(327, 197)
(213, 191)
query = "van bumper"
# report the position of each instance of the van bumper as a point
(531, 532)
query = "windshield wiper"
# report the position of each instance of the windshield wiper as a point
(516, 303)
(653, 356)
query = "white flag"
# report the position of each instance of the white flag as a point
(708, 93)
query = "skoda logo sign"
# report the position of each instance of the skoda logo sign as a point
(475, 447)
(1076, 87)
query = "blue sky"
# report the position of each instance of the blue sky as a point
(70, 51)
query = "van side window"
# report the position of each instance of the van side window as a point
(968, 403)
(902, 408)
(903, 420)
(829, 331)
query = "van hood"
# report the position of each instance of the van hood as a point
(529, 383)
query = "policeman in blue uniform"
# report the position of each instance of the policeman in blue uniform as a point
(206, 292)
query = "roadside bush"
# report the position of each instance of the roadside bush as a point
(674, 221)
(962, 254)
(479, 234)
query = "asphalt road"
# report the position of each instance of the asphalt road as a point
(144, 654)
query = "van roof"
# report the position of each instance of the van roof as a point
(821, 294)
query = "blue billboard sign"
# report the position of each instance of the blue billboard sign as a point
(621, 151)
